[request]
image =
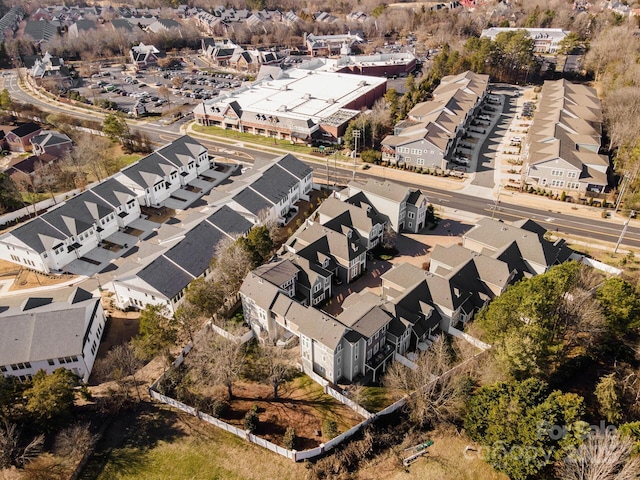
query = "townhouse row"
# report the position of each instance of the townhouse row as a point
(285, 297)
(432, 130)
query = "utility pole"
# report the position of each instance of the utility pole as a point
(356, 136)
(632, 214)
(495, 204)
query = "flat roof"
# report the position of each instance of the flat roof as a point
(299, 94)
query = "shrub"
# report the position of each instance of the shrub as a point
(219, 408)
(330, 428)
(289, 439)
(371, 156)
(251, 419)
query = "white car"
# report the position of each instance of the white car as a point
(516, 139)
(484, 117)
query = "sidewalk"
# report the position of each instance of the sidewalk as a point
(430, 181)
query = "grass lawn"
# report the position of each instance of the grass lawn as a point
(446, 460)
(259, 139)
(158, 443)
(375, 399)
(125, 159)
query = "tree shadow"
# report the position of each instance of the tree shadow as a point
(129, 435)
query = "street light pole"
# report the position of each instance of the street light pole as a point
(632, 214)
(356, 136)
(495, 204)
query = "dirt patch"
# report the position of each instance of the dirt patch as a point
(29, 279)
(302, 405)
(158, 215)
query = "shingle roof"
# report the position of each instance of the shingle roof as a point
(54, 329)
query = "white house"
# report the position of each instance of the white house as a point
(60, 329)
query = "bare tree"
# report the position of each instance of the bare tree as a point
(72, 442)
(12, 449)
(120, 366)
(601, 457)
(276, 371)
(432, 387)
(233, 262)
(218, 361)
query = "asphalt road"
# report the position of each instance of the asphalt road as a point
(601, 230)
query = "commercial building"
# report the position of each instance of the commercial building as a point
(301, 104)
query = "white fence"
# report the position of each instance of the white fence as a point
(44, 204)
(223, 333)
(603, 267)
(404, 361)
(472, 340)
(348, 402)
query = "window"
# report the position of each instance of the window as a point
(420, 161)
(412, 215)
(557, 173)
(317, 287)
(572, 174)
(557, 183)
(51, 362)
(573, 185)
(369, 342)
(3, 368)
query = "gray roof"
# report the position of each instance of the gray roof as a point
(113, 192)
(294, 166)
(54, 329)
(250, 200)
(278, 272)
(385, 189)
(40, 30)
(404, 275)
(50, 137)
(315, 324)
(181, 149)
(496, 235)
(149, 170)
(262, 292)
(190, 258)
(364, 318)
(274, 184)
(165, 276)
(38, 235)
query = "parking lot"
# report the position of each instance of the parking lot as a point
(154, 91)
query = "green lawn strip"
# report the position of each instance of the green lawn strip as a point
(162, 444)
(127, 159)
(248, 137)
(376, 399)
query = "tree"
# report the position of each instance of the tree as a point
(13, 450)
(524, 427)
(157, 333)
(50, 398)
(621, 304)
(606, 456)
(218, 361)
(10, 198)
(233, 263)
(275, 370)
(608, 395)
(259, 241)
(537, 320)
(120, 366)
(164, 92)
(116, 128)
(5, 100)
(207, 296)
(432, 387)
(190, 321)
